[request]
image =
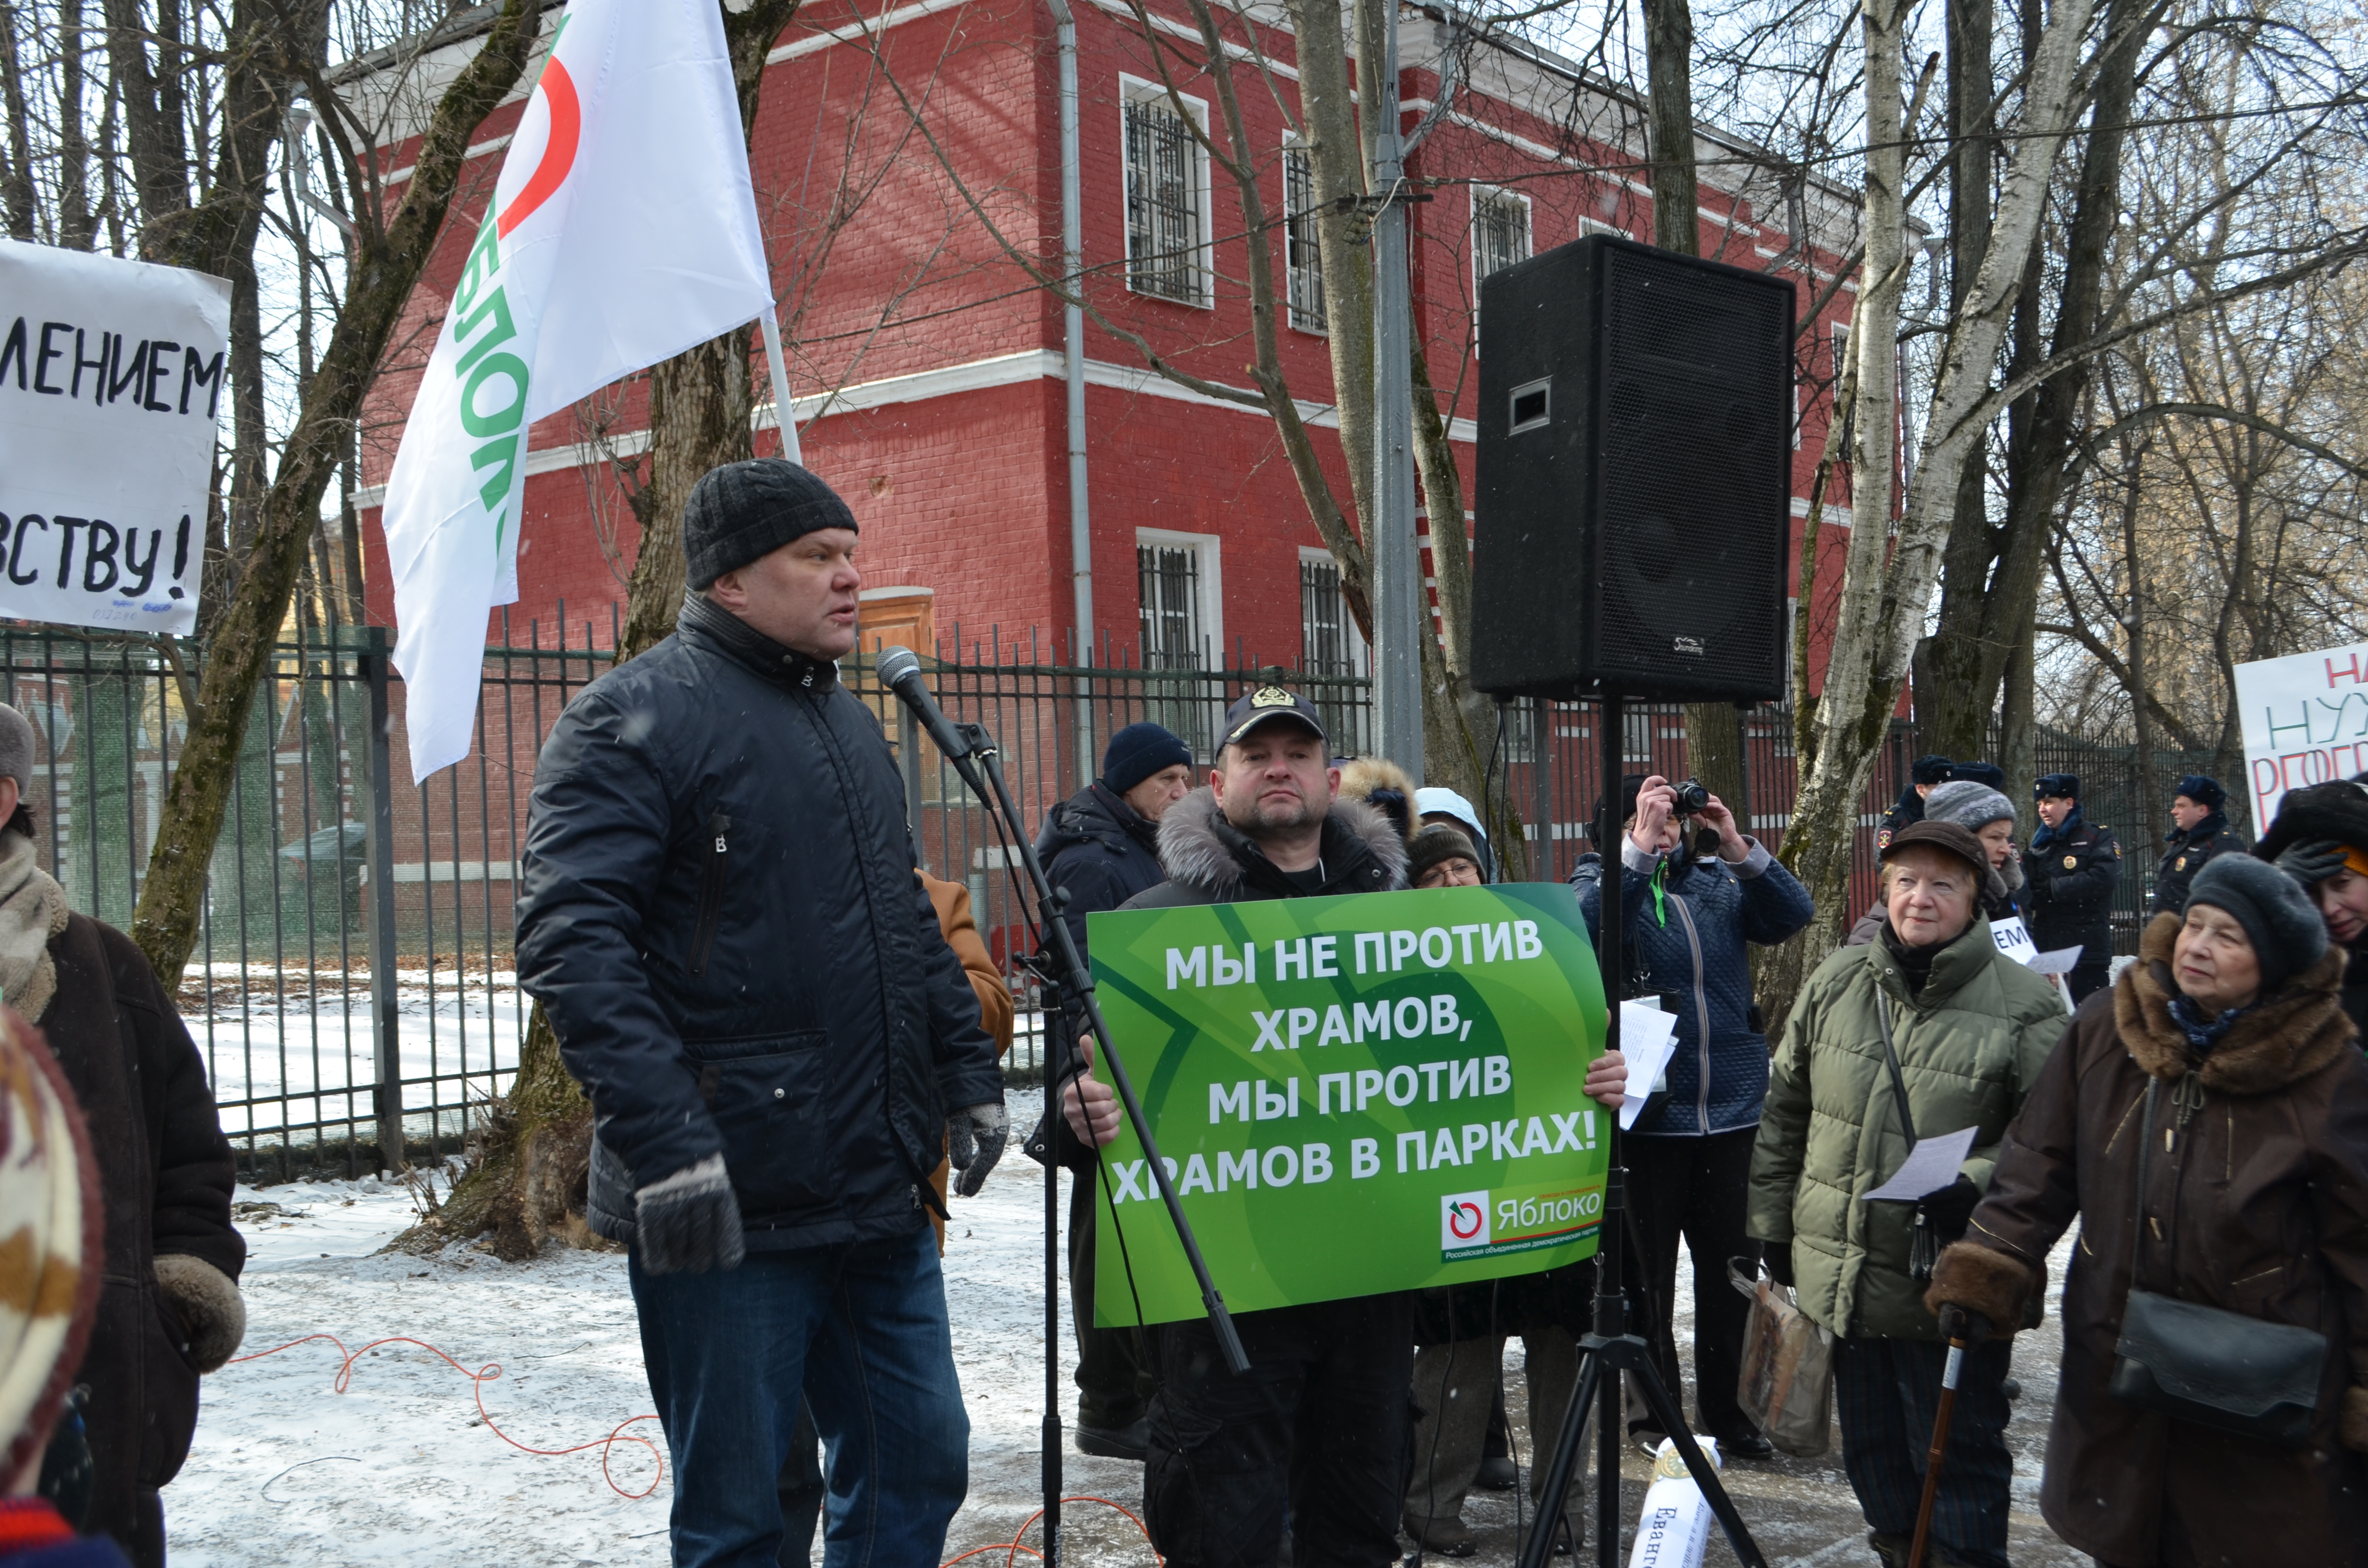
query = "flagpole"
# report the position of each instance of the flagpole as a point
(782, 415)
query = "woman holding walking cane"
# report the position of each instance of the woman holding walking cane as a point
(2207, 1122)
(1925, 1032)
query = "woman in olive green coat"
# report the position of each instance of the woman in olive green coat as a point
(1971, 1029)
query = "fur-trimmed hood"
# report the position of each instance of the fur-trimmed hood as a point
(1200, 849)
(2293, 1034)
(1377, 781)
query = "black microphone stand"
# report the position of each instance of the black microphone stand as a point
(1612, 1349)
(1076, 983)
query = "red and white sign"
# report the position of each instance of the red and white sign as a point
(2305, 721)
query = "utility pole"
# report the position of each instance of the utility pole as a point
(1400, 604)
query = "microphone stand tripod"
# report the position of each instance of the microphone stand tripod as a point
(1612, 1349)
(977, 749)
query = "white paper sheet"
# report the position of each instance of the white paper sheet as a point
(1930, 1167)
(2013, 939)
(2059, 960)
(1647, 1036)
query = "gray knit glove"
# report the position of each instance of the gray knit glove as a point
(689, 1222)
(974, 1138)
(2311, 864)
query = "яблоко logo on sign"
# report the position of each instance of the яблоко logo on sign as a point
(1463, 1220)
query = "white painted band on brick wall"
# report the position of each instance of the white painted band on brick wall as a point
(978, 375)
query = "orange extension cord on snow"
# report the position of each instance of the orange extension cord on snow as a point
(493, 1369)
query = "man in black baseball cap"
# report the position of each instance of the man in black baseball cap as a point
(2071, 871)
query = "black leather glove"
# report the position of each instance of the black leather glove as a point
(1778, 1256)
(1948, 1209)
(690, 1222)
(2312, 863)
(1963, 1322)
(974, 1139)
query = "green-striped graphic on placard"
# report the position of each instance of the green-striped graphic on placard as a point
(1353, 1095)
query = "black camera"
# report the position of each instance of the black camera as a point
(1687, 798)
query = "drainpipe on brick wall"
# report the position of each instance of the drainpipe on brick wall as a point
(1073, 334)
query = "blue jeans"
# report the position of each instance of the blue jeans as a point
(860, 1331)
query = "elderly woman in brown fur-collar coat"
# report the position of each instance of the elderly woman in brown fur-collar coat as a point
(2256, 1203)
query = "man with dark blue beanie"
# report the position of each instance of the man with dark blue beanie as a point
(1101, 847)
(2200, 830)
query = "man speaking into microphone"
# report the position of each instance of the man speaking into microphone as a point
(720, 918)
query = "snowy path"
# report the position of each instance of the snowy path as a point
(397, 1471)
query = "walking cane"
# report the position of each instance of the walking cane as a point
(1953, 1324)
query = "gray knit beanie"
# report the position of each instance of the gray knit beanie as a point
(2279, 918)
(1970, 805)
(738, 512)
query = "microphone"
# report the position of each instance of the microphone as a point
(900, 671)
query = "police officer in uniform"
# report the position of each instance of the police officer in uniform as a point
(2200, 830)
(2070, 872)
(1927, 774)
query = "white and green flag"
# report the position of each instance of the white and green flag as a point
(622, 231)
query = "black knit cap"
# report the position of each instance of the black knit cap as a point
(741, 511)
(2279, 918)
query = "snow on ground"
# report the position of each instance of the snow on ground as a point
(397, 1468)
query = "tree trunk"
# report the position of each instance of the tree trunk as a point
(1890, 574)
(1952, 717)
(530, 1183)
(1990, 592)
(239, 657)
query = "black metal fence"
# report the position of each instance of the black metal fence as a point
(354, 983)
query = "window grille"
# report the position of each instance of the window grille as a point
(1501, 231)
(1163, 204)
(1299, 243)
(1168, 578)
(1329, 645)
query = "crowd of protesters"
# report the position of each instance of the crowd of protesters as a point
(790, 1036)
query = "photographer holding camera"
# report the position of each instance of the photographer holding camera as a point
(1696, 890)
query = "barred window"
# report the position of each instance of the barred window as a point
(1299, 245)
(1176, 639)
(1329, 644)
(1163, 204)
(1170, 580)
(1501, 231)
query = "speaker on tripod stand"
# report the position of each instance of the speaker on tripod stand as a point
(1636, 477)
(1634, 511)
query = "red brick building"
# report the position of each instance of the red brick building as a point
(927, 368)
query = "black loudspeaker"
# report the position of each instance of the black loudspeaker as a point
(1636, 477)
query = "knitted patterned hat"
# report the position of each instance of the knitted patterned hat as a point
(50, 1219)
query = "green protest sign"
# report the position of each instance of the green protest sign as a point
(1351, 1095)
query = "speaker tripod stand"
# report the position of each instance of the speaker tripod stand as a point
(1612, 1349)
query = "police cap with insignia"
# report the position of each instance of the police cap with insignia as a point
(2056, 786)
(1265, 703)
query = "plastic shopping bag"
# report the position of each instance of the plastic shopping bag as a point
(1787, 1384)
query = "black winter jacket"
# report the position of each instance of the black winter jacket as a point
(167, 1173)
(1101, 851)
(2069, 881)
(721, 916)
(2184, 854)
